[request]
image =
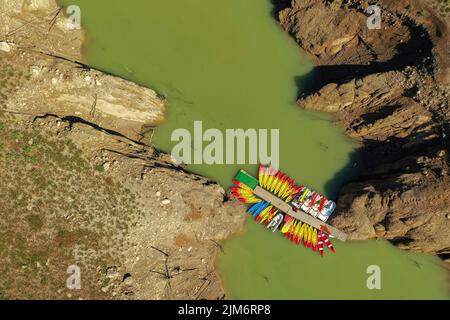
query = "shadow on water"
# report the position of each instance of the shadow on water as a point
(349, 172)
(279, 5)
(307, 83)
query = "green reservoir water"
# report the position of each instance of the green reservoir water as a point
(228, 64)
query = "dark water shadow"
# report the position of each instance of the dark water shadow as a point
(279, 5)
(348, 173)
(307, 83)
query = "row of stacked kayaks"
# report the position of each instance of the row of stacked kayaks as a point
(299, 197)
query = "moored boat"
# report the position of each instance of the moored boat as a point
(279, 203)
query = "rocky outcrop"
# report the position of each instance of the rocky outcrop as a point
(47, 77)
(40, 26)
(160, 245)
(356, 93)
(183, 218)
(45, 84)
(388, 89)
(336, 35)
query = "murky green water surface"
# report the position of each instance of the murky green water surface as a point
(228, 64)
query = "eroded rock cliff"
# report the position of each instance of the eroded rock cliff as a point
(389, 89)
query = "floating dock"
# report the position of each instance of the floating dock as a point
(304, 217)
(295, 210)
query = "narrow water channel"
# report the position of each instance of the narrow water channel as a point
(228, 64)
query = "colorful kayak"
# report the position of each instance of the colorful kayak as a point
(284, 199)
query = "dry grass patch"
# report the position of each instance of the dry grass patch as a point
(56, 210)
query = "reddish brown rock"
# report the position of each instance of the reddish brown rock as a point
(389, 90)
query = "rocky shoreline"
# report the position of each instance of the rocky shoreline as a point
(388, 89)
(392, 98)
(162, 241)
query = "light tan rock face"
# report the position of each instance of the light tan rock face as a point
(48, 85)
(373, 88)
(34, 5)
(40, 26)
(389, 90)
